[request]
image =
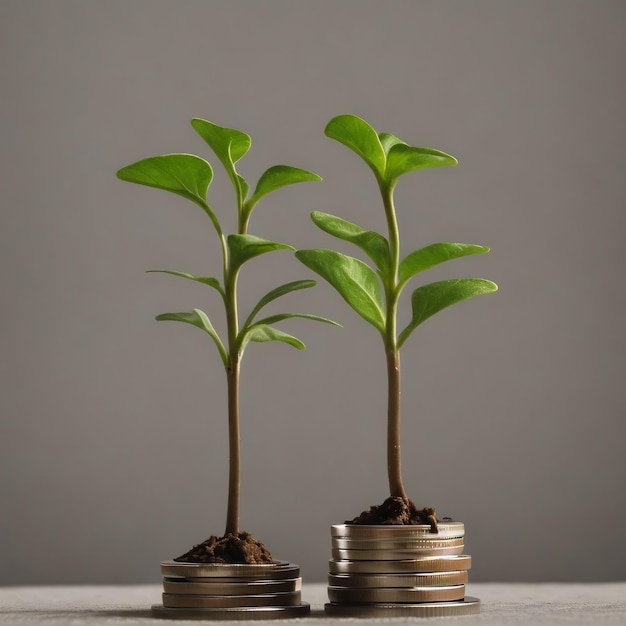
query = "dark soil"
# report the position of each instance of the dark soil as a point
(241, 548)
(396, 510)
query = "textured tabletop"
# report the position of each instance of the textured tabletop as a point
(537, 604)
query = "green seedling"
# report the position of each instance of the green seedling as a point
(360, 285)
(190, 176)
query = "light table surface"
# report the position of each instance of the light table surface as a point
(537, 604)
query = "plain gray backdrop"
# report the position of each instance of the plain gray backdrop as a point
(112, 448)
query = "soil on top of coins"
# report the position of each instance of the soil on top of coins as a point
(239, 548)
(396, 510)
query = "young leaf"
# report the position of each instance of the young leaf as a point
(402, 159)
(229, 146)
(206, 280)
(360, 137)
(262, 333)
(432, 255)
(279, 317)
(371, 242)
(201, 320)
(244, 247)
(355, 281)
(430, 299)
(184, 174)
(277, 177)
(388, 140)
(277, 293)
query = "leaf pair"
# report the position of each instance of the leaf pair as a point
(190, 176)
(359, 286)
(388, 156)
(258, 331)
(229, 146)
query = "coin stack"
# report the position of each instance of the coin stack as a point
(231, 591)
(391, 571)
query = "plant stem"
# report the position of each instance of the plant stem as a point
(394, 465)
(234, 467)
(232, 375)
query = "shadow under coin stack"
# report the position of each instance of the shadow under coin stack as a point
(223, 591)
(399, 571)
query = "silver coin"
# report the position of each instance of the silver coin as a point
(467, 606)
(408, 566)
(382, 595)
(447, 530)
(392, 555)
(209, 588)
(389, 544)
(425, 579)
(234, 613)
(171, 600)
(257, 571)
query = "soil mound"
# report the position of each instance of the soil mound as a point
(396, 510)
(241, 548)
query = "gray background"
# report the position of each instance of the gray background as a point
(114, 426)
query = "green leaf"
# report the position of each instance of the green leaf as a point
(432, 255)
(229, 146)
(355, 281)
(277, 293)
(279, 317)
(201, 320)
(402, 159)
(360, 137)
(388, 140)
(371, 242)
(244, 247)
(277, 177)
(430, 299)
(206, 280)
(184, 174)
(262, 333)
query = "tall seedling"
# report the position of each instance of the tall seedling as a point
(360, 285)
(190, 176)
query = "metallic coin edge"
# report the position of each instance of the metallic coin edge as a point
(413, 595)
(208, 588)
(177, 601)
(235, 613)
(398, 581)
(406, 566)
(395, 544)
(468, 606)
(393, 555)
(395, 530)
(174, 569)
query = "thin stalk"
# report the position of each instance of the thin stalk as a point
(394, 464)
(232, 375)
(234, 466)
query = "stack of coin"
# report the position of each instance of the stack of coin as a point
(391, 571)
(231, 591)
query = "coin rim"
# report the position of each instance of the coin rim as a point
(365, 531)
(469, 605)
(443, 563)
(343, 554)
(208, 588)
(233, 613)
(398, 581)
(382, 595)
(347, 543)
(260, 571)
(296, 596)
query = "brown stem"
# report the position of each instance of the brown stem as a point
(232, 515)
(394, 466)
